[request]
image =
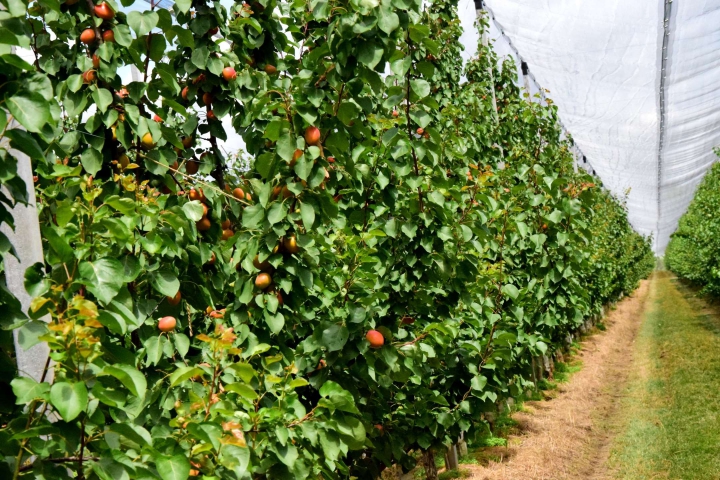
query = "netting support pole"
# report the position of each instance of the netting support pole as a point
(28, 245)
(481, 13)
(663, 112)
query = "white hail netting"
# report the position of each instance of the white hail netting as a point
(602, 62)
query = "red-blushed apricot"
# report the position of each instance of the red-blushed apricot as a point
(167, 324)
(375, 339)
(104, 11)
(229, 74)
(87, 36)
(312, 135)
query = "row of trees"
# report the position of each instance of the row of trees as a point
(408, 237)
(694, 247)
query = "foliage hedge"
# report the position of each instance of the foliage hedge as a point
(694, 247)
(439, 207)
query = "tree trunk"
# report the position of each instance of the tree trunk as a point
(451, 458)
(431, 472)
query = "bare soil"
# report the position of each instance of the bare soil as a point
(568, 436)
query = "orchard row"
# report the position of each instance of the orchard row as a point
(402, 238)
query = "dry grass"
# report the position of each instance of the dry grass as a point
(569, 436)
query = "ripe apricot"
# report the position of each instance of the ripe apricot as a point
(167, 324)
(196, 194)
(262, 266)
(375, 338)
(263, 281)
(229, 74)
(204, 224)
(312, 135)
(290, 244)
(89, 76)
(147, 141)
(191, 167)
(104, 11)
(174, 300)
(227, 233)
(87, 36)
(296, 155)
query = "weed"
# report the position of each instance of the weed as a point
(450, 474)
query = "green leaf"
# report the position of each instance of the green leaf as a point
(26, 390)
(200, 57)
(183, 373)
(31, 110)
(511, 291)
(243, 390)
(103, 98)
(30, 333)
(91, 161)
(478, 382)
(286, 147)
(185, 37)
(420, 87)
(182, 344)
(123, 36)
(113, 321)
(103, 278)
(134, 433)
(165, 281)
(388, 21)
(275, 322)
(74, 82)
(142, 22)
(253, 216)
(370, 54)
(128, 376)
(307, 212)
(335, 337)
(176, 467)
(24, 141)
(69, 399)
(193, 210)
(183, 5)
(277, 212)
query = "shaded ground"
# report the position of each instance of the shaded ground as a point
(569, 436)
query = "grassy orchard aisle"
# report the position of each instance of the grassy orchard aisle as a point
(643, 405)
(568, 437)
(671, 427)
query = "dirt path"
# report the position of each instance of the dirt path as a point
(570, 436)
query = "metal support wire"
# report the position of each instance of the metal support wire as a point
(664, 56)
(482, 5)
